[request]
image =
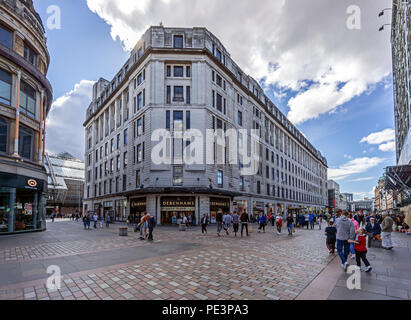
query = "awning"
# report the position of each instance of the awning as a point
(398, 178)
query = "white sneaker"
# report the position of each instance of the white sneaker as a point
(345, 266)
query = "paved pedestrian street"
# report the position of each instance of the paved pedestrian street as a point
(98, 264)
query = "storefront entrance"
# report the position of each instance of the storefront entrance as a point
(218, 204)
(173, 209)
(137, 207)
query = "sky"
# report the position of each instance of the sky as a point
(323, 63)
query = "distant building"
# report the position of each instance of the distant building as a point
(333, 195)
(349, 197)
(65, 184)
(366, 205)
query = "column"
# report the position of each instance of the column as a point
(35, 210)
(40, 140)
(197, 212)
(12, 202)
(44, 128)
(16, 130)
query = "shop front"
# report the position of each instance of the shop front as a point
(108, 209)
(241, 206)
(173, 209)
(258, 209)
(217, 204)
(121, 210)
(137, 207)
(22, 203)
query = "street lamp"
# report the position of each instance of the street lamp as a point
(382, 27)
(382, 12)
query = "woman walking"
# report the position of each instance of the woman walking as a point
(290, 224)
(245, 219)
(279, 223)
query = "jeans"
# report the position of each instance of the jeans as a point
(244, 225)
(150, 234)
(95, 224)
(204, 228)
(219, 226)
(290, 229)
(343, 248)
(331, 244)
(361, 256)
(262, 226)
(235, 227)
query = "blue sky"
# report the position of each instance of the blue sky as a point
(354, 101)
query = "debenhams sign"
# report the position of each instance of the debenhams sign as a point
(177, 205)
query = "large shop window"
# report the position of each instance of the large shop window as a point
(3, 135)
(6, 37)
(5, 87)
(26, 139)
(27, 99)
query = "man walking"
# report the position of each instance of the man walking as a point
(95, 218)
(227, 219)
(204, 224)
(219, 220)
(245, 219)
(345, 232)
(151, 223)
(236, 221)
(263, 222)
(386, 228)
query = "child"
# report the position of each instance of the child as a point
(279, 224)
(331, 233)
(360, 247)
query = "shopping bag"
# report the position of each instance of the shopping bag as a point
(250, 228)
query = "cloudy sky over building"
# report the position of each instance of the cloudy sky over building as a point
(333, 82)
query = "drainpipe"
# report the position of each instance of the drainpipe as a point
(40, 141)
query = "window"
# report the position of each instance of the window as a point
(27, 99)
(106, 149)
(5, 87)
(30, 55)
(112, 145)
(138, 179)
(168, 120)
(168, 71)
(168, 95)
(118, 163)
(177, 176)
(26, 137)
(139, 127)
(178, 94)
(241, 183)
(111, 165)
(258, 187)
(188, 120)
(178, 120)
(125, 160)
(118, 141)
(139, 101)
(219, 102)
(218, 54)
(124, 182)
(188, 71)
(213, 99)
(240, 118)
(220, 178)
(125, 137)
(6, 37)
(219, 80)
(178, 71)
(139, 154)
(139, 79)
(3, 134)
(188, 95)
(178, 42)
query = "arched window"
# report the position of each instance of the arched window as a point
(3, 135)
(26, 143)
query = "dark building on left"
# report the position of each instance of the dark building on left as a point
(25, 100)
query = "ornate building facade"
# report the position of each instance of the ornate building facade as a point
(25, 100)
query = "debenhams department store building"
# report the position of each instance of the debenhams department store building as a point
(180, 79)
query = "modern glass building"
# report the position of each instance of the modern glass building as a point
(25, 100)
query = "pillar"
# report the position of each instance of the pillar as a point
(17, 127)
(40, 141)
(12, 202)
(35, 210)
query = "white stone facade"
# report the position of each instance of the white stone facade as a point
(295, 172)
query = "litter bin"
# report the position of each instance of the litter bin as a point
(123, 232)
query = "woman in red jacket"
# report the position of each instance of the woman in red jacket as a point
(360, 247)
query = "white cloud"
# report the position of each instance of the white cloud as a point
(387, 147)
(362, 179)
(363, 195)
(386, 135)
(65, 130)
(316, 56)
(355, 166)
